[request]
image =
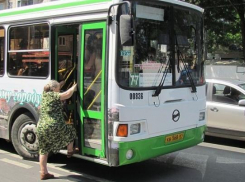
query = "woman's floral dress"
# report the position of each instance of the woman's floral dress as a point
(52, 131)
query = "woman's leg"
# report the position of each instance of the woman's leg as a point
(43, 160)
(70, 147)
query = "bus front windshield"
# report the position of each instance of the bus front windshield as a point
(167, 44)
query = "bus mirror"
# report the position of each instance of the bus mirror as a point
(126, 30)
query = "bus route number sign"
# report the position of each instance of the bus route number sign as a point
(174, 138)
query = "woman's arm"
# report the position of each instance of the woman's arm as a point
(67, 94)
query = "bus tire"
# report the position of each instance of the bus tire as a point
(24, 136)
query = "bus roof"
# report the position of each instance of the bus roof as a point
(48, 6)
(46, 9)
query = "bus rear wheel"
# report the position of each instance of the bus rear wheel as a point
(24, 137)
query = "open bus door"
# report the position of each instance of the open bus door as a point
(92, 84)
(65, 67)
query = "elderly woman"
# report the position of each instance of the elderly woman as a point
(52, 131)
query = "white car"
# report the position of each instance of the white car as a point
(226, 108)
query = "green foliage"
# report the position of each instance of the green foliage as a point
(222, 20)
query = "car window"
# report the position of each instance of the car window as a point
(241, 96)
(242, 86)
(226, 94)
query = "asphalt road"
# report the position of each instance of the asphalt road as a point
(208, 162)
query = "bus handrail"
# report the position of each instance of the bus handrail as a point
(70, 72)
(95, 79)
(90, 105)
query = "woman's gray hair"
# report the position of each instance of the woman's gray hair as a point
(51, 86)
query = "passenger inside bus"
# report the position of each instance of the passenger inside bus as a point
(98, 56)
(24, 70)
(22, 46)
(151, 54)
(90, 55)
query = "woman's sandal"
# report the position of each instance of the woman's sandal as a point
(70, 154)
(46, 176)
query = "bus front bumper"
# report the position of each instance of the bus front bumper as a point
(152, 147)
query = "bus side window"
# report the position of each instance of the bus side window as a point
(2, 36)
(28, 51)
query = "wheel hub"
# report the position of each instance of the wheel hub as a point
(28, 137)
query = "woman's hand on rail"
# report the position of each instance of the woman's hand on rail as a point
(67, 94)
(74, 87)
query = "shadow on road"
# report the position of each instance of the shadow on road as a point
(157, 169)
(224, 141)
(7, 146)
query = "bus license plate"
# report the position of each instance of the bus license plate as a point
(174, 138)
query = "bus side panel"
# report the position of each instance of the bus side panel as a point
(16, 97)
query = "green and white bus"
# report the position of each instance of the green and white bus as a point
(139, 69)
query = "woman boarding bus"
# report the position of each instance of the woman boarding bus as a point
(139, 69)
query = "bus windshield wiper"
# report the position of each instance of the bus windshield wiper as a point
(180, 57)
(159, 87)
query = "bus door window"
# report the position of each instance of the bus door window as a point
(92, 86)
(29, 50)
(92, 69)
(2, 36)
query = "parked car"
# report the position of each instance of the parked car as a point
(226, 108)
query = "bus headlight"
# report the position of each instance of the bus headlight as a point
(134, 129)
(201, 116)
